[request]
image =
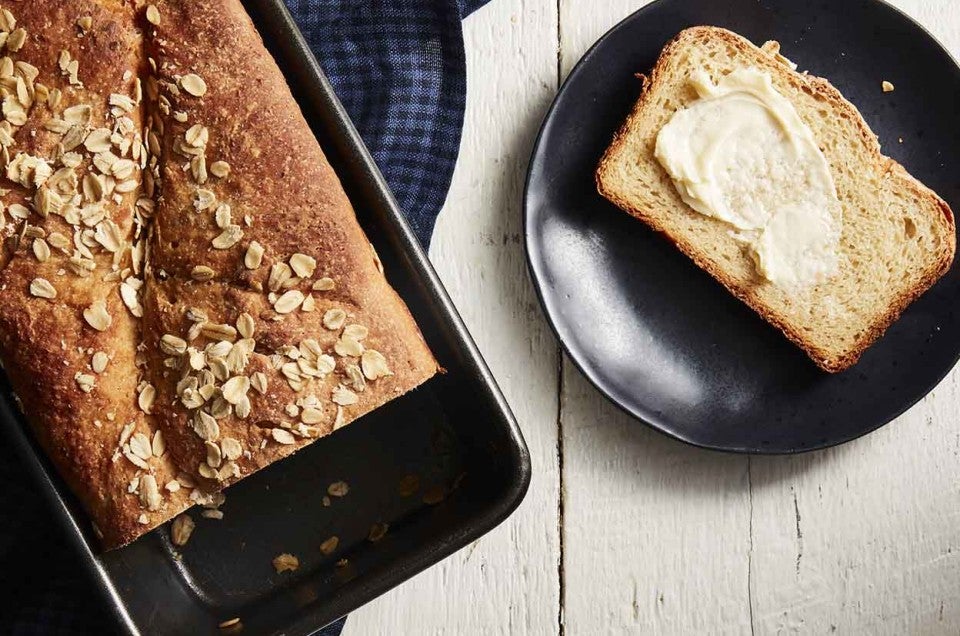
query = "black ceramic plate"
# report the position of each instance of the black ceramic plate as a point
(659, 336)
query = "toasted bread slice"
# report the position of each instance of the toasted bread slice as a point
(898, 236)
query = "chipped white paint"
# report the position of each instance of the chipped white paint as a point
(658, 537)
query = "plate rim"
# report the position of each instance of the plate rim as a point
(642, 414)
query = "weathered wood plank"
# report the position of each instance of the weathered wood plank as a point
(656, 534)
(507, 582)
(865, 538)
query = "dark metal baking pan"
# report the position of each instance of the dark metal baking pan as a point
(455, 434)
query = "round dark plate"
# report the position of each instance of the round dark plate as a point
(659, 336)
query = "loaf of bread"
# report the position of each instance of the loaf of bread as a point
(185, 293)
(897, 237)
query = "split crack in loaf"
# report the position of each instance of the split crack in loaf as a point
(897, 237)
(185, 294)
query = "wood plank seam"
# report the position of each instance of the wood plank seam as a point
(560, 525)
(796, 512)
(750, 550)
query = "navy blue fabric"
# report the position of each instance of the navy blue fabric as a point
(398, 67)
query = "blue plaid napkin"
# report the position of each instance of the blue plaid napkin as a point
(398, 67)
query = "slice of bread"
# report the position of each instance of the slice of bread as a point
(898, 236)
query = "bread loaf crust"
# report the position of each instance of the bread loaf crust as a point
(92, 421)
(45, 343)
(281, 179)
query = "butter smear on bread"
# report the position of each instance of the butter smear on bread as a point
(740, 153)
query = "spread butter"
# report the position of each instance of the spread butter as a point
(740, 153)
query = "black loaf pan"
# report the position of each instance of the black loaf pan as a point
(456, 434)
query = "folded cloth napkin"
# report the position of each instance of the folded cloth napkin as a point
(398, 67)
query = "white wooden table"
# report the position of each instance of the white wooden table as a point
(624, 530)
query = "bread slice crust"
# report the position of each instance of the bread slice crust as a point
(755, 293)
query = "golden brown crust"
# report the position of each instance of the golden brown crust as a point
(746, 292)
(278, 178)
(46, 343)
(290, 201)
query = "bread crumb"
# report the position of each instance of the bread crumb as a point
(434, 495)
(377, 531)
(285, 563)
(409, 485)
(887, 86)
(338, 489)
(330, 545)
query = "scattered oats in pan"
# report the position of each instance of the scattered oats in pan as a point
(409, 484)
(434, 495)
(285, 563)
(338, 489)
(329, 546)
(377, 531)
